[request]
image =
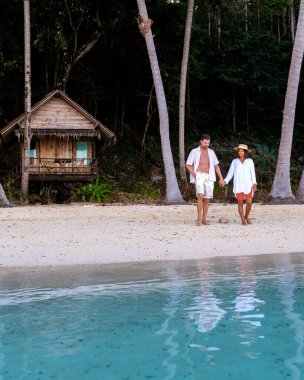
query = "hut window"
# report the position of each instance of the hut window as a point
(32, 152)
(82, 151)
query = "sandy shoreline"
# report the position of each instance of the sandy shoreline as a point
(60, 235)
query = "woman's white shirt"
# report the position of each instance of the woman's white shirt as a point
(243, 175)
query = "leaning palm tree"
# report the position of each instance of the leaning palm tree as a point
(27, 103)
(182, 90)
(4, 202)
(173, 194)
(281, 188)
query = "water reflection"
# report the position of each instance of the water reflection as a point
(168, 328)
(205, 310)
(246, 301)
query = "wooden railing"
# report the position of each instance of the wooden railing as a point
(47, 166)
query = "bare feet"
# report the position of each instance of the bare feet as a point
(205, 223)
(248, 220)
(244, 222)
(198, 223)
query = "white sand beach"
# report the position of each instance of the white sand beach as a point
(60, 235)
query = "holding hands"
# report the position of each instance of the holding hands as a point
(222, 183)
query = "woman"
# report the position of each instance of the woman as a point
(244, 181)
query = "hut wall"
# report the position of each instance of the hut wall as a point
(48, 149)
(53, 148)
(58, 114)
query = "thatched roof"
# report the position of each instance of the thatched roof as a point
(58, 115)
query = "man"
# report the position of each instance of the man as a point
(202, 164)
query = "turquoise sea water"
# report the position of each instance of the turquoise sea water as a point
(232, 318)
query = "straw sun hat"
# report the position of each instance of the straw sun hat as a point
(242, 146)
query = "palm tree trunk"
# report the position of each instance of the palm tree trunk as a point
(281, 188)
(150, 112)
(173, 195)
(292, 22)
(182, 90)
(27, 103)
(4, 202)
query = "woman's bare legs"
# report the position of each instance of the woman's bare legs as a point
(241, 212)
(248, 208)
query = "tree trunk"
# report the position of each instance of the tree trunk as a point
(209, 23)
(27, 103)
(4, 202)
(300, 191)
(246, 15)
(173, 195)
(258, 17)
(76, 56)
(292, 22)
(182, 90)
(150, 112)
(68, 59)
(233, 109)
(281, 188)
(219, 26)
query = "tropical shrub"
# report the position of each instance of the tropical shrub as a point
(94, 192)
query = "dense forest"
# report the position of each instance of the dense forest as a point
(237, 75)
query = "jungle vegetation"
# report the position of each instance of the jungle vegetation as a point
(238, 68)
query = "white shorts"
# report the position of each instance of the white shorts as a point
(203, 185)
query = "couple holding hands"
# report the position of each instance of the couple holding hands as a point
(203, 166)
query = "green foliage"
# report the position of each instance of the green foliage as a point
(274, 7)
(47, 194)
(266, 156)
(146, 189)
(12, 189)
(238, 69)
(265, 159)
(95, 192)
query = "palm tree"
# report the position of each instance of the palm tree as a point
(173, 194)
(281, 188)
(4, 202)
(27, 103)
(182, 90)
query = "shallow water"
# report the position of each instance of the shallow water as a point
(225, 318)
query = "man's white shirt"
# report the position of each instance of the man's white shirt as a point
(194, 159)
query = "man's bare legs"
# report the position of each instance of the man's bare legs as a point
(200, 200)
(241, 212)
(248, 208)
(202, 210)
(205, 210)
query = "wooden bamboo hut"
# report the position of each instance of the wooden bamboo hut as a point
(63, 139)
